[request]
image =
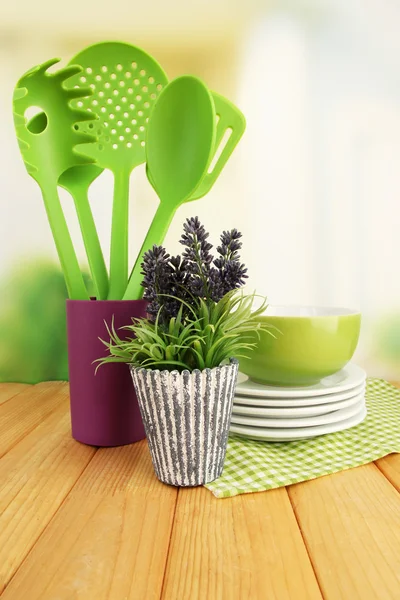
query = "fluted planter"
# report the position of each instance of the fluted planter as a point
(186, 418)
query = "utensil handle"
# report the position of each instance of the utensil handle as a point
(91, 240)
(66, 253)
(155, 236)
(119, 236)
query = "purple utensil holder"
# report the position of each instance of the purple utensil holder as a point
(104, 406)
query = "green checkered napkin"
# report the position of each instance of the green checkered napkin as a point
(252, 466)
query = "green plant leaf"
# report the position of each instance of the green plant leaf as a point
(206, 335)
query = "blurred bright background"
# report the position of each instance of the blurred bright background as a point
(314, 184)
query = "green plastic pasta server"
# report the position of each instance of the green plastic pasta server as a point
(180, 142)
(49, 147)
(125, 82)
(76, 181)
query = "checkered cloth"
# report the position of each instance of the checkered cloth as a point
(252, 466)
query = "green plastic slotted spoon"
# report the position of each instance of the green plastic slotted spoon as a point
(47, 156)
(180, 142)
(230, 120)
(125, 82)
(77, 181)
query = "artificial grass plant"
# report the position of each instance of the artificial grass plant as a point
(198, 316)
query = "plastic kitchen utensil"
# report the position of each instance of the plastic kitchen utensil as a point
(180, 141)
(230, 121)
(76, 181)
(125, 82)
(48, 147)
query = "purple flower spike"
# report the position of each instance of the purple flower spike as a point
(195, 274)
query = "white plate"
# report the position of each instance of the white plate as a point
(298, 402)
(288, 412)
(331, 417)
(346, 379)
(288, 435)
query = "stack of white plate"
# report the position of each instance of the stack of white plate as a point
(281, 414)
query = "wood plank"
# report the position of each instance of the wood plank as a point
(248, 546)
(36, 475)
(8, 390)
(351, 524)
(109, 540)
(22, 413)
(390, 467)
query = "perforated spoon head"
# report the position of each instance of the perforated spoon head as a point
(125, 82)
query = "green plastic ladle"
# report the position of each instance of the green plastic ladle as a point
(179, 145)
(47, 155)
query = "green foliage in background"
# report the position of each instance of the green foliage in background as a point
(33, 341)
(388, 338)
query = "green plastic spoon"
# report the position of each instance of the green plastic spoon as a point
(179, 145)
(125, 82)
(229, 120)
(47, 155)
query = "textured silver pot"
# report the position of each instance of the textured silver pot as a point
(187, 417)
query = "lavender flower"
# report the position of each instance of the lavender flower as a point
(228, 273)
(157, 272)
(197, 256)
(195, 274)
(178, 287)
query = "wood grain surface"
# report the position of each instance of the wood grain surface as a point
(110, 538)
(351, 526)
(95, 524)
(246, 547)
(9, 390)
(23, 412)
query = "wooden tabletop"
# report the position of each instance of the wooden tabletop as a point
(78, 522)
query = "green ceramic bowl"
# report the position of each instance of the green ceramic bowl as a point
(311, 343)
